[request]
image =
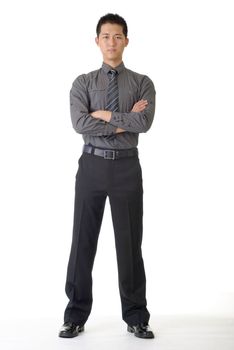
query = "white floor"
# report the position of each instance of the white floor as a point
(172, 333)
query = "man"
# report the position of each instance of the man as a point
(109, 107)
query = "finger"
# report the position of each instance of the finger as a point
(142, 102)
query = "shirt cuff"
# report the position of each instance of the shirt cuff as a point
(110, 129)
(117, 119)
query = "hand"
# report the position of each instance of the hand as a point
(104, 115)
(139, 106)
(119, 130)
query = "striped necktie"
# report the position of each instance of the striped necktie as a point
(112, 100)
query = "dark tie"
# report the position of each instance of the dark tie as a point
(112, 100)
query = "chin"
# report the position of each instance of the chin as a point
(112, 57)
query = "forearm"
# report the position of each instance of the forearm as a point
(136, 122)
(85, 124)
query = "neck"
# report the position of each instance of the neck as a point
(113, 63)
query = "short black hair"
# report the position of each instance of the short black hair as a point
(113, 19)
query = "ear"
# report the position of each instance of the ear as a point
(97, 41)
(126, 42)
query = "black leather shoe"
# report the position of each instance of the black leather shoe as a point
(70, 330)
(141, 330)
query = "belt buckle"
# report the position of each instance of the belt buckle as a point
(106, 152)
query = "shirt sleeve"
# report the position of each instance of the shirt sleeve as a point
(138, 122)
(82, 121)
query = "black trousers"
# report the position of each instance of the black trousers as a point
(121, 181)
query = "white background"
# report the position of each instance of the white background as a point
(186, 47)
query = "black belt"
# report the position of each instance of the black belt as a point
(110, 153)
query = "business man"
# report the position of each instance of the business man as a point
(110, 107)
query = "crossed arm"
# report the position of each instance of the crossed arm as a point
(106, 115)
(104, 123)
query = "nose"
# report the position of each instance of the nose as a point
(112, 41)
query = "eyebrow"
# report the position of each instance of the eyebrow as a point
(109, 34)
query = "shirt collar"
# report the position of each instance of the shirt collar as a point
(106, 68)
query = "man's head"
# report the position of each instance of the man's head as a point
(112, 38)
(112, 19)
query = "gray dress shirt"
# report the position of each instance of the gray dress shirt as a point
(88, 94)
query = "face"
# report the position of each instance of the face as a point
(112, 42)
